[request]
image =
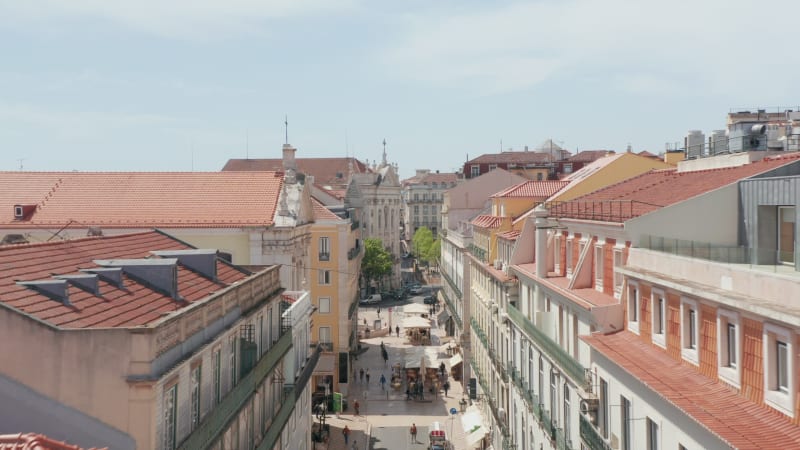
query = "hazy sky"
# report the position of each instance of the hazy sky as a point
(185, 84)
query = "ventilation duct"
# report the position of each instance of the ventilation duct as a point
(109, 275)
(158, 274)
(87, 282)
(202, 261)
(54, 289)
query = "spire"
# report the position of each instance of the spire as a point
(384, 152)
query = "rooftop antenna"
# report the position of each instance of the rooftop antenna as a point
(384, 151)
(286, 124)
(20, 162)
(247, 144)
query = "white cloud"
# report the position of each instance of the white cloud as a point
(688, 44)
(187, 19)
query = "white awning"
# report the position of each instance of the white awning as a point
(475, 436)
(416, 322)
(456, 359)
(472, 422)
(416, 308)
(325, 365)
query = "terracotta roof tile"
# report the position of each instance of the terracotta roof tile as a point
(513, 157)
(324, 170)
(32, 441)
(429, 178)
(509, 235)
(487, 221)
(587, 156)
(715, 406)
(141, 199)
(542, 189)
(134, 305)
(656, 189)
(584, 297)
(323, 213)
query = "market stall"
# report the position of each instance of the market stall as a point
(417, 330)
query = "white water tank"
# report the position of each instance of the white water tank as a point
(694, 142)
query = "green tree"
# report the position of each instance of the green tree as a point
(435, 251)
(422, 242)
(377, 262)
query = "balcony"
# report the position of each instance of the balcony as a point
(591, 436)
(479, 332)
(451, 283)
(354, 225)
(215, 422)
(563, 360)
(453, 310)
(353, 253)
(325, 256)
(477, 252)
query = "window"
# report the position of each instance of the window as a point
(539, 176)
(475, 170)
(779, 383)
(324, 276)
(325, 335)
(652, 435)
(216, 362)
(566, 411)
(618, 279)
(570, 242)
(492, 167)
(557, 252)
(728, 346)
(324, 249)
(553, 397)
(195, 380)
(324, 305)
(568, 168)
(541, 379)
(232, 362)
(689, 330)
(170, 416)
(633, 307)
(625, 426)
(659, 313)
(602, 412)
(598, 267)
(416, 197)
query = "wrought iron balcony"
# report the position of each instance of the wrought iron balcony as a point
(325, 256)
(215, 422)
(591, 436)
(451, 283)
(560, 358)
(453, 310)
(353, 253)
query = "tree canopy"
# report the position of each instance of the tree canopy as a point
(426, 248)
(377, 262)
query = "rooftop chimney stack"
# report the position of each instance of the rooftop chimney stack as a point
(289, 163)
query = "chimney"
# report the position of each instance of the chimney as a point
(540, 214)
(289, 163)
(526, 148)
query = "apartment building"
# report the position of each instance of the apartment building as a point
(583, 375)
(143, 341)
(423, 195)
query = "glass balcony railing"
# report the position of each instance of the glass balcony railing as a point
(763, 258)
(563, 360)
(215, 422)
(591, 436)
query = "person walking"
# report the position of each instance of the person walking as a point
(367, 376)
(413, 433)
(355, 374)
(383, 382)
(346, 434)
(357, 405)
(355, 445)
(361, 372)
(397, 330)
(446, 387)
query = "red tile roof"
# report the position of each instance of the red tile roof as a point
(429, 178)
(141, 199)
(509, 235)
(32, 441)
(512, 157)
(134, 305)
(487, 221)
(712, 404)
(542, 189)
(323, 213)
(324, 170)
(587, 156)
(660, 188)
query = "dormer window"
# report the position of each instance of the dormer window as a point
(23, 212)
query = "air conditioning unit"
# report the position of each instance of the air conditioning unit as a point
(498, 264)
(589, 405)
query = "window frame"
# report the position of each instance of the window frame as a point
(324, 248)
(557, 251)
(324, 277)
(216, 375)
(619, 279)
(634, 305)
(774, 396)
(170, 416)
(652, 434)
(196, 389)
(570, 247)
(625, 423)
(599, 249)
(475, 170)
(690, 330)
(658, 316)
(727, 372)
(321, 301)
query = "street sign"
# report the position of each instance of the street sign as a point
(453, 411)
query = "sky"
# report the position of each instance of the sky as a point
(179, 85)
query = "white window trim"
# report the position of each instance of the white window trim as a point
(659, 339)
(731, 375)
(570, 249)
(782, 401)
(690, 354)
(598, 265)
(557, 252)
(320, 305)
(618, 250)
(633, 325)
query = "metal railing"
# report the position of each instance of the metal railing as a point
(591, 436)
(453, 310)
(563, 360)
(215, 422)
(599, 210)
(353, 253)
(354, 225)
(325, 256)
(451, 283)
(479, 332)
(477, 252)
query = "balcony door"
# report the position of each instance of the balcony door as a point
(786, 233)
